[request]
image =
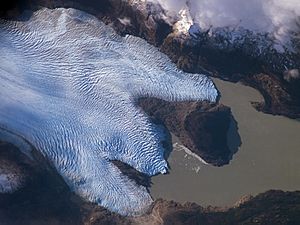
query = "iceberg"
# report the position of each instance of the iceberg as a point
(69, 85)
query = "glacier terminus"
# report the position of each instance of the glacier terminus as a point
(69, 85)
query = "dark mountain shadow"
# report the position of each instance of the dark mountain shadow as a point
(233, 137)
(127, 170)
(200, 126)
(22, 9)
(44, 199)
(15, 9)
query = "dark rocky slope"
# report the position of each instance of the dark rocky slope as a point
(252, 61)
(194, 123)
(281, 95)
(45, 199)
(200, 126)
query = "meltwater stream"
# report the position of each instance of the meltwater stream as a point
(68, 85)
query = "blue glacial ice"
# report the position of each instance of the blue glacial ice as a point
(69, 84)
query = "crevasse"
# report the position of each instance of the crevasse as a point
(68, 85)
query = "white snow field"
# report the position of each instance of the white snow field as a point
(278, 18)
(69, 84)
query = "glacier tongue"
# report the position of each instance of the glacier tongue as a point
(68, 85)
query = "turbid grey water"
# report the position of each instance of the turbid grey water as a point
(69, 86)
(269, 157)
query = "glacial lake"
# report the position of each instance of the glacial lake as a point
(268, 158)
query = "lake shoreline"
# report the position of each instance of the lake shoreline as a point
(263, 137)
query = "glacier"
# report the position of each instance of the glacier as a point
(69, 85)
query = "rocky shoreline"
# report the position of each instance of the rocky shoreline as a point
(200, 126)
(255, 63)
(193, 122)
(197, 55)
(250, 59)
(46, 199)
(190, 121)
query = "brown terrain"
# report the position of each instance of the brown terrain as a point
(45, 198)
(187, 121)
(278, 87)
(264, 72)
(200, 126)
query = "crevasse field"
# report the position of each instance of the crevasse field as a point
(68, 85)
